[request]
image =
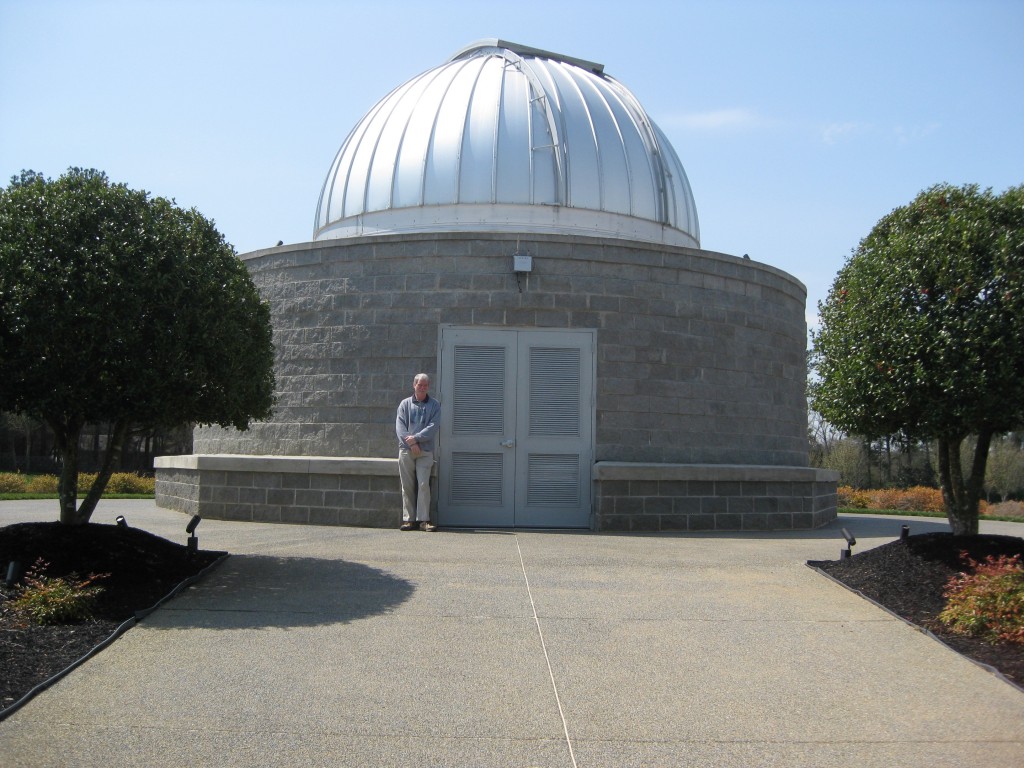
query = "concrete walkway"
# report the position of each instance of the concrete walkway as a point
(317, 646)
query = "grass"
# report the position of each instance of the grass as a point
(31, 496)
(919, 513)
(122, 485)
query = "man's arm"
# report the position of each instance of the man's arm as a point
(402, 422)
(433, 422)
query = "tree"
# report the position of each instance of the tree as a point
(923, 331)
(1005, 471)
(119, 307)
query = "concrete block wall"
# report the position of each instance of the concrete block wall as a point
(315, 490)
(628, 496)
(659, 497)
(700, 358)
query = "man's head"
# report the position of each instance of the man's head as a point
(421, 385)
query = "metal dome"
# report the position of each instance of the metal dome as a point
(507, 138)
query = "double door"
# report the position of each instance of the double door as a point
(517, 428)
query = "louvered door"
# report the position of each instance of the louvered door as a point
(517, 429)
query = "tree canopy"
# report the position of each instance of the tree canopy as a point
(120, 307)
(923, 331)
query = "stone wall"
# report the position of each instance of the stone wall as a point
(700, 356)
(700, 412)
(314, 490)
(660, 497)
(628, 496)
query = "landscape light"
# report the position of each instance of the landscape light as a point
(193, 542)
(904, 532)
(850, 541)
(121, 522)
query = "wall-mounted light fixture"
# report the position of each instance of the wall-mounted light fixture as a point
(522, 265)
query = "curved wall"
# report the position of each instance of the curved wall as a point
(700, 356)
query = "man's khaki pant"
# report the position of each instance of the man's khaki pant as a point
(415, 476)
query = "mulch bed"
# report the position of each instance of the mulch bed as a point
(143, 570)
(909, 578)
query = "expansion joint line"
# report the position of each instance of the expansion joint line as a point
(547, 659)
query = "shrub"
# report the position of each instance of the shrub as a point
(888, 498)
(1006, 508)
(42, 484)
(12, 482)
(988, 601)
(54, 599)
(853, 497)
(126, 482)
(916, 499)
(120, 482)
(922, 499)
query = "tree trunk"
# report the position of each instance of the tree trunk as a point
(115, 441)
(66, 438)
(28, 446)
(962, 495)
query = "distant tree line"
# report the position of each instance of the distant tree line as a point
(898, 461)
(29, 447)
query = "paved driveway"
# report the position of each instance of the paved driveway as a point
(315, 646)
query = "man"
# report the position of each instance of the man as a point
(416, 426)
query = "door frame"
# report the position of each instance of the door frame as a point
(589, 407)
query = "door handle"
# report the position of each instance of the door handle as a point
(507, 443)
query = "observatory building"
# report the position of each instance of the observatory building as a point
(514, 224)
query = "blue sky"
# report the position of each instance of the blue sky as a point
(800, 124)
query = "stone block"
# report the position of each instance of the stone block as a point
(803, 520)
(714, 505)
(267, 513)
(323, 516)
(297, 515)
(280, 497)
(250, 495)
(643, 488)
(740, 504)
(240, 512)
(645, 523)
(727, 522)
(628, 505)
(657, 505)
(675, 523)
(686, 505)
(755, 522)
(702, 523)
(339, 499)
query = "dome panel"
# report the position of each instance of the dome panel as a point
(412, 159)
(445, 152)
(583, 185)
(612, 150)
(479, 144)
(497, 131)
(514, 163)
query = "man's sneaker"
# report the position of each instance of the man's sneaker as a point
(428, 526)
(407, 527)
